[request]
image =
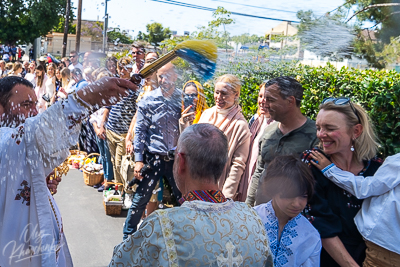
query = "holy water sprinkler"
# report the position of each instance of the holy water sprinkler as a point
(201, 54)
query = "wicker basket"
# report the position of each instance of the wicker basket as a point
(76, 152)
(113, 207)
(92, 179)
(89, 178)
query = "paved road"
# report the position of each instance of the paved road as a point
(90, 233)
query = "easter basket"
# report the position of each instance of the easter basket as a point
(112, 203)
(92, 173)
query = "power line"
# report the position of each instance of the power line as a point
(267, 8)
(176, 3)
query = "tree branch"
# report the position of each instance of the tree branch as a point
(372, 6)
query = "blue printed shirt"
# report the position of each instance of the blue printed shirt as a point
(299, 243)
(157, 123)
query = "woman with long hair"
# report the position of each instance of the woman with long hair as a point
(227, 116)
(348, 139)
(193, 104)
(257, 125)
(16, 70)
(40, 89)
(51, 84)
(66, 83)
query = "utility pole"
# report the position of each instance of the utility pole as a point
(66, 26)
(105, 27)
(78, 27)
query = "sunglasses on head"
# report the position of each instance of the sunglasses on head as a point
(340, 101)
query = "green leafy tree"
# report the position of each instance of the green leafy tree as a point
(61, 23)
(222, 17)
(246, 38)
(156, 33)
(23, 21)
(117, 36)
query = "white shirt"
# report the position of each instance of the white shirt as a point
(30, 223)
(32, 78)
(72, 66)
(379, 218)
(299, 243)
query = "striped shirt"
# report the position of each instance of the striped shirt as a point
(121, 114)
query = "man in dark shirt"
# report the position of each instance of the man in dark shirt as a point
(156, 133)
(290, 134)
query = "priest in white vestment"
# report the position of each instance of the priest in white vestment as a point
(207, 229)
(31, 146)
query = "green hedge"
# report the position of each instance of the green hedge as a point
(377, 91)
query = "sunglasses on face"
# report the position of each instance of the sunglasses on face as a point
(340, 101)
(73, 56)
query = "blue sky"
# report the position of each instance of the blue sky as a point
(133, 15)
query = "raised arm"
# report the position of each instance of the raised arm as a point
(386, 178)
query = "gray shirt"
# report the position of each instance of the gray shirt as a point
(157, 123)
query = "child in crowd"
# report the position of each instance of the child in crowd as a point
(378, 220)
(293, 240)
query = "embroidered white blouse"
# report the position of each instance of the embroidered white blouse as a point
(299, 244)
(30, 222)
(379, 218)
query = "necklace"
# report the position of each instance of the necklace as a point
(58, 246)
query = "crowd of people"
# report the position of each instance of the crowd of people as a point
(279, 190)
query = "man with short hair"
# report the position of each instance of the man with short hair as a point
(207, 229)
(74, 58)
(290, 134)
(156, 133)
(138, 53)
(31, 146)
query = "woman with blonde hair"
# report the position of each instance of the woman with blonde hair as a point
(66, 83)
(227, 116)
(193, 104)
(257, 125)
(16, 70)
(348, 139)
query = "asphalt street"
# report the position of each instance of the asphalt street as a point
(90, 233)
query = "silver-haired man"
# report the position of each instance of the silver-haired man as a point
(207, 229)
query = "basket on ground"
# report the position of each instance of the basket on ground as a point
(92, 178)
(112, 207)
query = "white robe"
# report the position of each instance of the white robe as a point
(30, 222)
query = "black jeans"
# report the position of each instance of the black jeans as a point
(158, 168)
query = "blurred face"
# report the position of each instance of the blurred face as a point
(26, 65)
(73, 58)
(50, 71)
(32, 67)
(151, 57)
(262, 102)
(76, 77)
(192, 90)
(167, 77)
(276, 106)
(2, 65)
(58, 74)
(39, 73)
(333, 132)
(224, 96)
(112, 67)
(125, 71)
(138, 55)
(287, 208)
(21, 105)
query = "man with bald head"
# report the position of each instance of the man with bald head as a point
(156, 133)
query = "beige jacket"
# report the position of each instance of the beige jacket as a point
(237, 131)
